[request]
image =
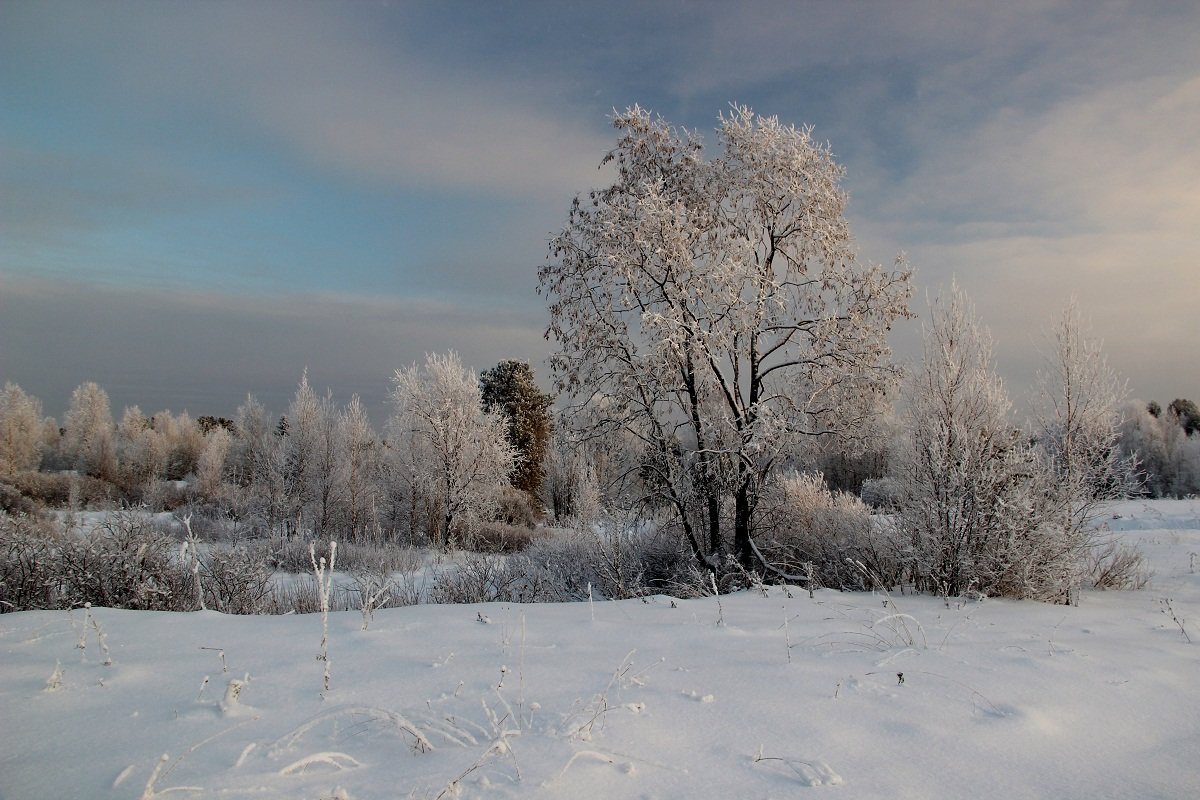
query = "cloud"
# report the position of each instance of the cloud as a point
(340, 86)
(378, 114)
(1093, 196)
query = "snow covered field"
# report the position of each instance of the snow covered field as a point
(844, 695)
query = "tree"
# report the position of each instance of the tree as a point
(207, 422)
(257, 458)
(460, 452)
(1188, 415)
(718, 312)
(309, 457)
(510, 388)
(89, 443)
(973, 489)
(141, 449)
(1078, 427)
(210, 467)
(183, 440)
(327, 459)
(20, 431)
(250, 453)
(357, 470)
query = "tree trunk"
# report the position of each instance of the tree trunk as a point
(714, 523)
(741, 525)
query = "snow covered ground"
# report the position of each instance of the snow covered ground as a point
(844, 695)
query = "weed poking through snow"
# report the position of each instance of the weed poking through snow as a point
(324, 574)
(1169, 610)
(55, 681)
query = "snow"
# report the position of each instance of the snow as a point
(633, 699)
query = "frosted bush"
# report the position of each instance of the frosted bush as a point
(476, 578)
(125, 562)
(499, 537)
(881, 493)
(28, 549)
(616, 563)
(1112, 565)
(294, 557)
(834, 531)
(236, 579)
(299, 596)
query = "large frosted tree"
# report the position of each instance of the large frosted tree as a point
(716, 311)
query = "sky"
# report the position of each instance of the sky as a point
(201, 200)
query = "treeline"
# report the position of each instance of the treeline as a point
(322, 467)
(460, 455)
(1166, 443)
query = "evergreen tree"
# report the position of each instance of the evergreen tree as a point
(509, 387)
(1188, 415)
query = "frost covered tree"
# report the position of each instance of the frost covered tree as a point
(717, 311)
(89, 443)
(250, 452)
(184, 442)
(257, 464)
(1078, 427)
(357, 470)
(328, 456)
(20, 431)
(510, 387)
(210, 467)
(298, 447)
(974, 491)
(459, 452)
(141, 449)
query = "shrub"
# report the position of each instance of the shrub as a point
(498, 537)
(294, 557)
(299, 596)
(165, 495)
(516, 507)
(1112, 565)
(556, 569)
(60, 489)
(125, 563)
(834, 531)
(13, 502)
(236, 579)
(881, 493)
(28, 549)
(476, 578)
(619, 562)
